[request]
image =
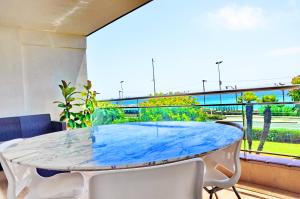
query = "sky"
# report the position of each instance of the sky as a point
(258, 42)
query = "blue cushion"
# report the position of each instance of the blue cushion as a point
(294, 163)
(10, 128)
(255, 157)
(34, 125)
(48, 173)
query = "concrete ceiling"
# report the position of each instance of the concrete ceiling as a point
(79, 17)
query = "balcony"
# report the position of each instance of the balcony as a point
(271, 172)
(45, 42)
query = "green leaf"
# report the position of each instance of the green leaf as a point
(83, 93)
(71, 99)
(67, 114)
(71, 124)
(62, 118)
(89, 84)
(64, 83)
(70, 91)
(62, 105)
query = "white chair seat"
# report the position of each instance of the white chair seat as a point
(65, 185)
(227, 158)
(214, 177)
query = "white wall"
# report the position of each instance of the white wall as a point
(32, 63)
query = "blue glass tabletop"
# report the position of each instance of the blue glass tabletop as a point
(123, 145)
(138, 143)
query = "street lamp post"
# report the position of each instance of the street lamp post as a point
(122, 90)
(236, 94)
(220, 82)
(203, 84)
(153, 75)
(281, 84)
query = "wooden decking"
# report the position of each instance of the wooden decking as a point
(247, 191)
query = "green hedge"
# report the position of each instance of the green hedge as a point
(280, 110)
(279, 135)
(103, 116)
(172, 114)
(216, 117)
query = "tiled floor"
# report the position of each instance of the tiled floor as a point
(251, 191)
(247, 191)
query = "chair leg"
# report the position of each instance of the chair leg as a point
(236, 193)
(206, 189)
(216, 195)
(212, 191)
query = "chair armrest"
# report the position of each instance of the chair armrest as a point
(58, 126)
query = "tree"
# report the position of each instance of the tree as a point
(164, 109)
(295, 93)
(248, 97)
(267, 120)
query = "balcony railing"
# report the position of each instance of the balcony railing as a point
(282, 138)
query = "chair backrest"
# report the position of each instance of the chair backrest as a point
(180, 180)
(228, 158)
(17, 176)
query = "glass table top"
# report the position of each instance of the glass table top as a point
(123, 145)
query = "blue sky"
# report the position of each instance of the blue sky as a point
(258, 41)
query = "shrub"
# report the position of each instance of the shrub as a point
(280, 110)
(279, 135)
(107, 113)
(171, 101)
(247, 97)
(216, 117)
(295, 93)
(172, 113)
(269, 98)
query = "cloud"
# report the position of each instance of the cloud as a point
(235, 17)
(285, 51)
(293, 9)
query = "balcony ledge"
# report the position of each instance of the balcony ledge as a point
(270, 160)
(269, 171)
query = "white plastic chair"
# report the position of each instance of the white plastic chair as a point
(65, 185)
(180, 180)
(229, 160)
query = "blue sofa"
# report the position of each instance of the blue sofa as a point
(29, 126)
